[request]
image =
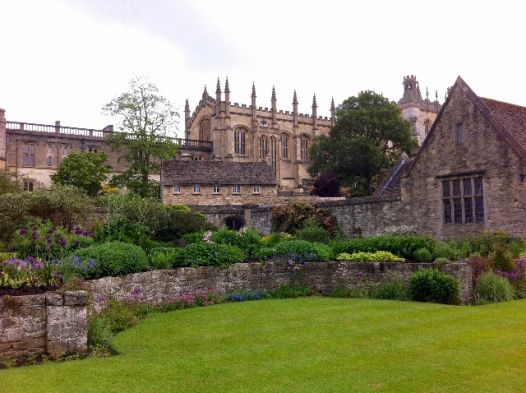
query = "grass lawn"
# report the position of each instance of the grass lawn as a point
(304, 345)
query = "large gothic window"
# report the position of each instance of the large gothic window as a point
(239, 141)
(463, 200)
(304, 148)
(284, 146)
(29, 154)
(263, 147)
(273, 152)
(204, 130)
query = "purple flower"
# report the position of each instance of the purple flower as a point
(51, 230)
(48, 240)
(34, 235)
(91, 264)
(23, 231)
(78, 230)
(99, 298)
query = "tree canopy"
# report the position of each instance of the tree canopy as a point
(369, 135)
(146, 121)
(85, 171)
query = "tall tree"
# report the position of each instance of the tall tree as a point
(85, 171)
(369, 135)
(146, 120)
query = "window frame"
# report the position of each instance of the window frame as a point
(196, 189)
(176, 189)
(462, 199)
(256, 189)
(240, 141)
(236, 189)
(29, 155)
(216, 189)
(304, 148)
(284, 140)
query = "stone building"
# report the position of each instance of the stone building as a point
(470, 173)
(421, 113)
(251, 133)
(217, 183)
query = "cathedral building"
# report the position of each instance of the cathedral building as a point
(251, 133)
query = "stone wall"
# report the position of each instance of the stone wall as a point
(48, 324)
(162, 286)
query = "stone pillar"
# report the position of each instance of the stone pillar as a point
(3, 139)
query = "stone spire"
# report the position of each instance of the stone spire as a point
(273, 107)
(333, 113)
(314, 111)
(253, 106)
(205, 93)
(427, 94)
(295, 109)
(186, 117)
(218, 90)
(227, 97)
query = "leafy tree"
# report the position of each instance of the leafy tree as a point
(146, 117)
(369, 135)
(83, 170)
(9, 182)
(327, 185)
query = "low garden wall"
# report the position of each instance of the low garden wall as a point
(55, 325)
(164, 286)
(47, 324)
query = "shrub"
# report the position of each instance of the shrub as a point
(393, 289)
(479, 265)
(102, 327)
(108, 259)
(492, 288)
(63, 206)
(401, 245)
(430, 285)
(326, 185)
(302, 250)
(423, 255)
(248, 240)
(162, 257)
(208, 254)
(502, 261)
(275, 237)
(120, 229)
(441, 261)
(378, 256)
(292, 216)
(443, 250)
(290, 291)
(192, 237)
(313, 233)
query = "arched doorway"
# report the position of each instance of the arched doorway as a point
(234, 222)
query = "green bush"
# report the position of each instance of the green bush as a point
(120, 229)
(492, 288)
(109, 259)
(248, 240)
(423, 255)
(162, 257)
(63, 206)
(102, 327)
(313, 233)
(208, 254)
(378, 256)
(401, 245)
(430, 285)
(393, 289)
(502, 260)
(276, 237)
(192, 237)
(290, 291)
(441, 261)
(302, 250)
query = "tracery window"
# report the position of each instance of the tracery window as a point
(284, 146)
(463, 200)
(263, 147)
(239, 141)
(304, 148)
(204, 130)
(273, 152)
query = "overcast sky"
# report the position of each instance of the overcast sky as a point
(63, 60)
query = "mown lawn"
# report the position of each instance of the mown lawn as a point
(304, 345)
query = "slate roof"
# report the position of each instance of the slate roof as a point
(390, 187)
(217, 172)
(511, 117)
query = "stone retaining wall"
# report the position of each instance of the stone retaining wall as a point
(163, 286)
(48, 324)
